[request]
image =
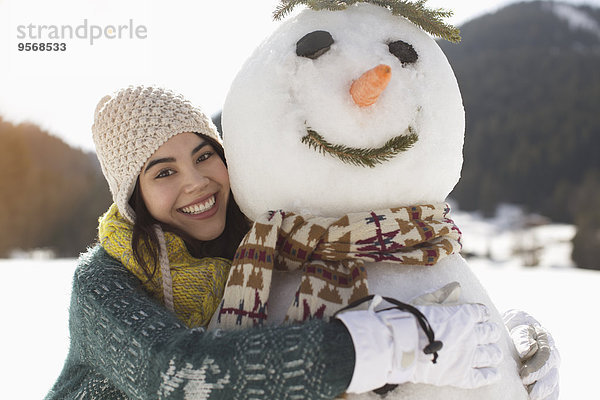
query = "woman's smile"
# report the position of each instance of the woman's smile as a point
(203, 208)
(185, 185)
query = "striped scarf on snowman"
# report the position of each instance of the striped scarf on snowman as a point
(331, 253)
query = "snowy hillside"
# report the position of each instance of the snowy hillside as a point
(511, 238)
(36, 294)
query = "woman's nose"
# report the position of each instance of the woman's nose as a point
(368, 87)
(195, 181)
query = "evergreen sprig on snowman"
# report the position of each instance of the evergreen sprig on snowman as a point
(430, 20)
(362, 83)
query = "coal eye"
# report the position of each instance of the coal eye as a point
(403, 51)
(314, 44)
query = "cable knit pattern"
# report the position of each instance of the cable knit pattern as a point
(125, 345)
(130, 125)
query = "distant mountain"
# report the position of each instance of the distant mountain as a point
(530, 79)
(52, 194)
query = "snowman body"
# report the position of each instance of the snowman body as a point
(279, 96)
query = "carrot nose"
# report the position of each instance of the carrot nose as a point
(366, 90)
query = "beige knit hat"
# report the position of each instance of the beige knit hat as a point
(130, 125)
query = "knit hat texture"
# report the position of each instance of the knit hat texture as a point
(130, 125)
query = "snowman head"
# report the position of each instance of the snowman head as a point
(343, 111)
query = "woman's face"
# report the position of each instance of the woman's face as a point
(185, 184)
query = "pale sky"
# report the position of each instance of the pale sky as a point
(194, 47)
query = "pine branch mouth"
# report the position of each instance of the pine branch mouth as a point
(369, 157)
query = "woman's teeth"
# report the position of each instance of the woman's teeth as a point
(200, 207)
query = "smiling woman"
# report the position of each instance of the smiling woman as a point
(172, 198)
(170, 237)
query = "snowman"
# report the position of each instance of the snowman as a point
(352, 115)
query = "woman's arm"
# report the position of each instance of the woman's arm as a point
(120, 333)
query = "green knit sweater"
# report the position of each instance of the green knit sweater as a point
(126, 345)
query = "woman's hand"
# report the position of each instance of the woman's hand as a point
(539, 356)
(389, 346)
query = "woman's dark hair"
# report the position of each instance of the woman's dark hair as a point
(144, 235)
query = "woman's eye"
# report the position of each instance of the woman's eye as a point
(204, 156)
(403, 52)
(314, 44)
(164, 173)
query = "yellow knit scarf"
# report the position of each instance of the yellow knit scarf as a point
(198, 284)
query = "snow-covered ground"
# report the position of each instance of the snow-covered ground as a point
(35, 299)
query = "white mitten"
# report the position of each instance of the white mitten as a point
(390, 346)
(448, 294)
(539, 356)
